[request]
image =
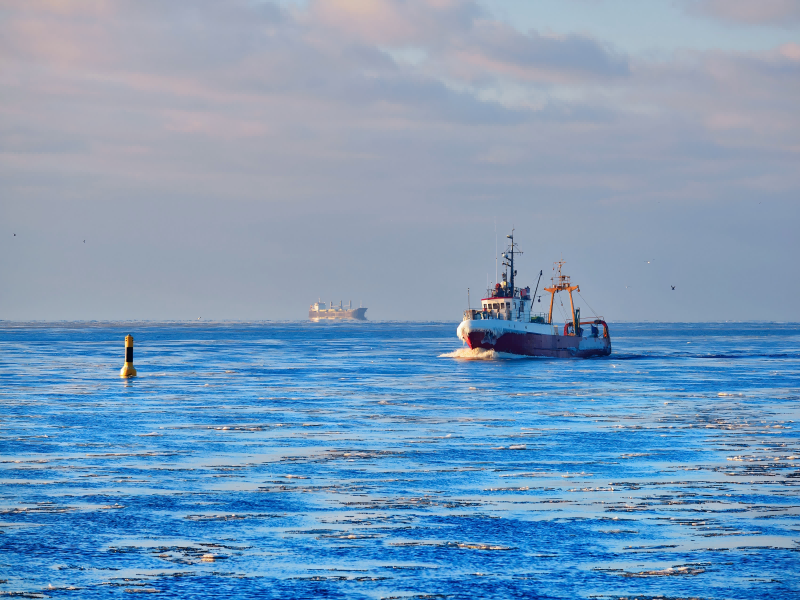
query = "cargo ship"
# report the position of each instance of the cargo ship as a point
(506, 323)
(319, 310)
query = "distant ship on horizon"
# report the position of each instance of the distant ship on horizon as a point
(319, 310)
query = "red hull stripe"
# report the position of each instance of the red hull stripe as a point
(535, 344)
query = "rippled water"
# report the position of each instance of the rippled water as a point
(364, 460)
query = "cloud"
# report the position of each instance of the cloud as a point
(395, 22)
(130, 35)
(460, 38)
(250, 70)
(496, 49)
(750, 12)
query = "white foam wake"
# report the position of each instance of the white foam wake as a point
(478, 354)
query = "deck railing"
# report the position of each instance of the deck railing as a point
(477, 315)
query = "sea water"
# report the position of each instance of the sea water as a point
(382, 460)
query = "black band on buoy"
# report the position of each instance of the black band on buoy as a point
(128, 369)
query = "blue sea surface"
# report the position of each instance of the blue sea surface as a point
(372, 460)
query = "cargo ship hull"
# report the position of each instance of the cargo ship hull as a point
(532, 340)
(355, 313)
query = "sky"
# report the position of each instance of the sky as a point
(241, 159)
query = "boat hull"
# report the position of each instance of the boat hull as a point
(355, 313)
(490, 335)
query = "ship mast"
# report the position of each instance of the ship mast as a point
(562, 283)
(511, 237)
(508, 261)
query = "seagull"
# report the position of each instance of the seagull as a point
(672, 286)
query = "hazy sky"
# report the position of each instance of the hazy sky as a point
(239, 159)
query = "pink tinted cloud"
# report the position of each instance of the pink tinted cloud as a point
(790, 51)
(56, 37)
(753, 12)
(459, 40)
(393, 22)
(159, 69)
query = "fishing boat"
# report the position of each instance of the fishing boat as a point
(506, 323)
(319, 310)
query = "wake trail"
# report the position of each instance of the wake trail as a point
(480, 354)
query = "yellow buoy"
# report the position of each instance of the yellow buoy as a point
(128, 370)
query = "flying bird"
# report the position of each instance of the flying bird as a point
(672, 286)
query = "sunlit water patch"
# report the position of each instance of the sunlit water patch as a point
(371, 460)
